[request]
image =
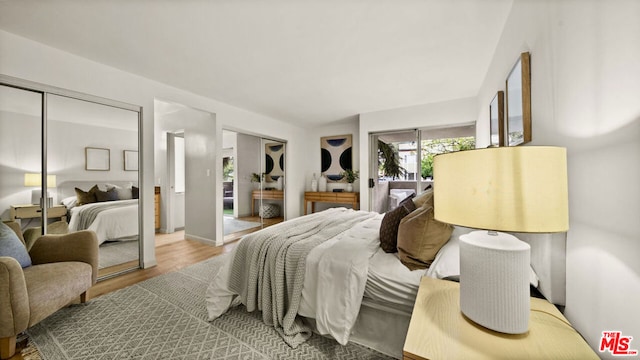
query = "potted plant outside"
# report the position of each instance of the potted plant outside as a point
(351, 176)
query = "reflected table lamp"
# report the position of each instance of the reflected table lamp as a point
(35, 180)
(517, 189)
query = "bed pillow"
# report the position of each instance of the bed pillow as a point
(447, 262)
(86, 197)
(390, 223)
(420, 237)
(70, 202)
(124, 192)
(10, 245)
(424, 197)
(109, 195)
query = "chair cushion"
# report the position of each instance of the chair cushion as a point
(10, 245)
(52, 286)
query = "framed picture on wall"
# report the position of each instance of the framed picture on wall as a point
(130, 160)
(336, 156)
(496, 119)
(97, 159)
(518, 87)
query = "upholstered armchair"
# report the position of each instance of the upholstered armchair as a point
(63, 268)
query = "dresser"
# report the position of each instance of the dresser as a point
(351, 198)
(157, 206)
(35, 211)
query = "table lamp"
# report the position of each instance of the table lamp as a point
(35, 180)
(518, 189)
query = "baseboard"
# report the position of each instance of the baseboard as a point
(200, 239)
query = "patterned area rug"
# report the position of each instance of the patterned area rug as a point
(165, 318)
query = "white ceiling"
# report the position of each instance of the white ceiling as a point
(307, 62)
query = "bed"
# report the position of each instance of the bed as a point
(113, 220)
(340, 283)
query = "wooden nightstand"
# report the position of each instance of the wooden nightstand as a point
(34, 211)
(438, 330)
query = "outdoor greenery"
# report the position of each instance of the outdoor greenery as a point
(256, 178)
(389, 161)
(227, 169)
(431, 148)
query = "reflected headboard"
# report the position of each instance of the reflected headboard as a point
(67, 188)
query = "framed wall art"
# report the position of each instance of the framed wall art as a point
(496, 119)
(518, 118)
(97, 159)
(130, 160)
(336, 156)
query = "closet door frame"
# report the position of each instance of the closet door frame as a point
(45, 90)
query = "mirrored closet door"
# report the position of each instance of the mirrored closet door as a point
(253, 184)
(72, 159)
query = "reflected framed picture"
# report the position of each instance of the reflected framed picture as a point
(496, 119)
(518, 99)
(130, 160)
(97, 159)
(336, 156)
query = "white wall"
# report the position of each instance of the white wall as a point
(247, 161)
(21, 152)
(29, 60)
(461, 111)
(585, 96)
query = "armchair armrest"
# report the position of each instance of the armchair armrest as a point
(77, 246)
(14, 299)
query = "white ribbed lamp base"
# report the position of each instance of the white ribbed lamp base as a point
(494, 281)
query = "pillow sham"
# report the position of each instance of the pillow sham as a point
(69, 202)
(420, 237)
(390, 223)
(86, 197)
(10, 245)
(124, 192)
(447, 262)
(109, 195)
(424, 197)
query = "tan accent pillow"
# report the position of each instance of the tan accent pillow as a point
(86, 197)
(423, 198)
(420, 237)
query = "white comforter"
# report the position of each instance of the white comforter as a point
(119, 223)
(335, 278)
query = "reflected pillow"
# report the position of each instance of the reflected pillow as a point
(70, 202)
(135, 192)
(10, 245)
(86, 197)
(124, 192)
(109, 195)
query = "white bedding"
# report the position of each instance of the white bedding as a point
(119, 223)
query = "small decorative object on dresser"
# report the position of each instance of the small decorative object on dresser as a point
(314, 183)
(322, 184)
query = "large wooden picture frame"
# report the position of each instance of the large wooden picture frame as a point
(97, 159)
(496, 119)
(518, 87)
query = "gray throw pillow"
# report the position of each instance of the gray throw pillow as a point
(10, 245)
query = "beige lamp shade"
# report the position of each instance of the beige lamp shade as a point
(35, 180)
(519, 189)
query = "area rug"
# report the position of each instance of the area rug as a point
(117, 252)
(165, 318)
(233, 225)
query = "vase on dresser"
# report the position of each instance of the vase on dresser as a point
(322, 184)
(349, 187)
(314, 183)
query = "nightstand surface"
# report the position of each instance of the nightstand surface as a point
(438, 330)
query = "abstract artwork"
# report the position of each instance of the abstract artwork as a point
(336, 156)
(274, 161)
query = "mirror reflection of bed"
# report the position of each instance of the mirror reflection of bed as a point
(111, 210)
